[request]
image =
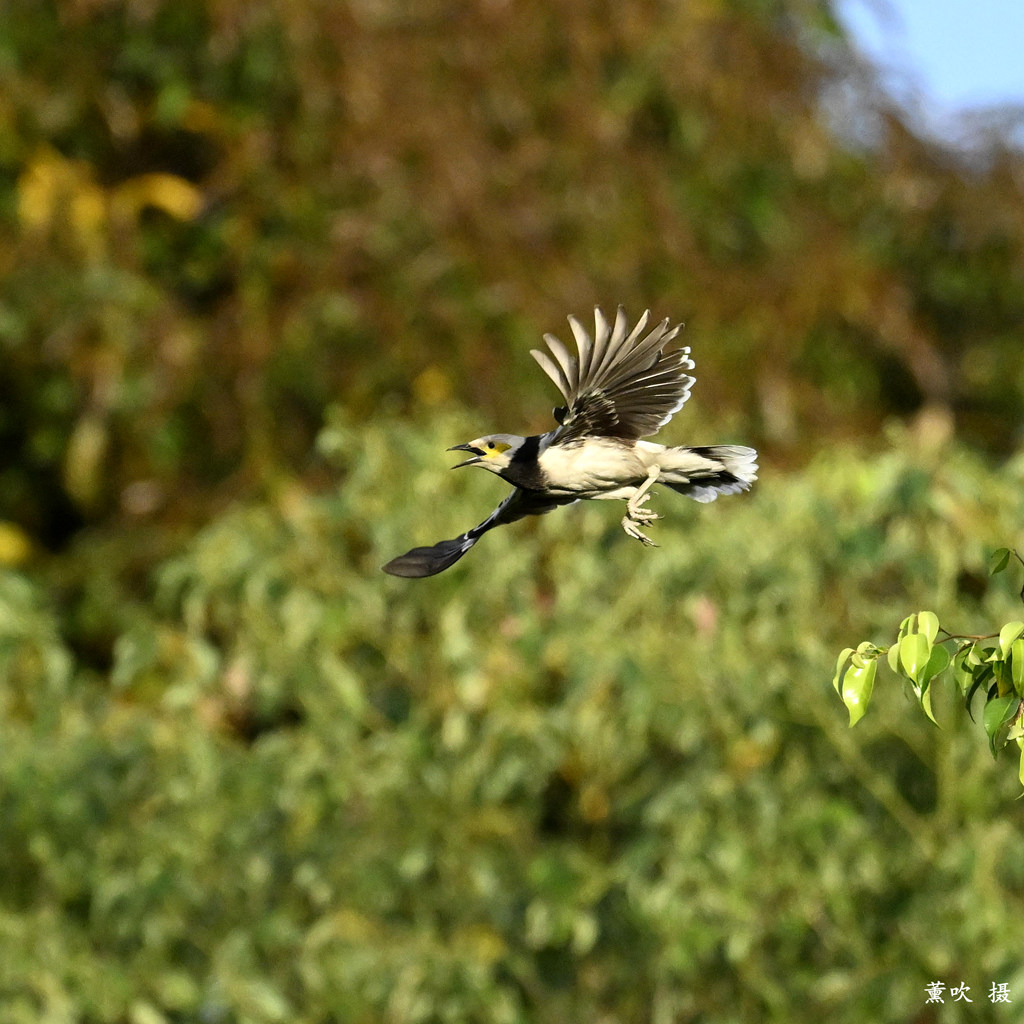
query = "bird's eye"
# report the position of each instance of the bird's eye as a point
(490, 444)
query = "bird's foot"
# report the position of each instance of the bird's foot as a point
(642, 515)
(637, 514)
(632, 530)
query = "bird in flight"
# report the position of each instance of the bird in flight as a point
(622, 387)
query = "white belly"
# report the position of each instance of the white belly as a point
(597, 468)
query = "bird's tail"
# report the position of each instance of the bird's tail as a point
(430, 561)
(705, 473)
(444, 554)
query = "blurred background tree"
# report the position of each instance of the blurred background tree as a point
(243, 212)
(245, 778)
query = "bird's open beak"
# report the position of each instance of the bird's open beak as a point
(477, 454)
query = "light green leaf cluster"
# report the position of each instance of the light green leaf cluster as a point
(919, 655)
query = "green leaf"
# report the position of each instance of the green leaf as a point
(962, 675)
(979, 679)
(938, 661)
(894, 657)
(998, 715)
(858, 684)
(867, 651)
(1017, 665)
(914, 654)
(1020, 771)
(840, 662)
(1008, 634)
(1004, 681)
(928, 624)
(1016, 731)
(926, 704)
(999, 560)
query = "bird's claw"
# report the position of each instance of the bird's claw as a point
(640, 515)
(636, 517)
(632, 530)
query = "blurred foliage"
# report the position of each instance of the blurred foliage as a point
(572, 779)
(218, 217)
(244, 777)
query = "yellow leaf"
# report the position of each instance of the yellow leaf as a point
(15, 546)
(38, 188)
(83, 461)
(88, 214)
(52, 187)
(175, 196)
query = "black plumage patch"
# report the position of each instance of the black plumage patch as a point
(523, 469)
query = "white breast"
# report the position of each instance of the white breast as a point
(596, 466)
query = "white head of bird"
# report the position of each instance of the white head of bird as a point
(493, 451)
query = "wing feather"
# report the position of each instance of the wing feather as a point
(606, 341)
(553, 369)
(623, 384)
(584, 346)
(570, 368)
(616, 343)
(644, 354)
(602, 332)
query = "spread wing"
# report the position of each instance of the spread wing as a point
(623, 384)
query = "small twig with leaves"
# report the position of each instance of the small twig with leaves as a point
(919, 655)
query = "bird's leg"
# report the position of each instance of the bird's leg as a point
(636, 514)
(640, 495)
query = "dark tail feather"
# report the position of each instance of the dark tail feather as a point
(710, 487)
(430, 561)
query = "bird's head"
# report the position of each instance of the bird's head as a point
(493, 452)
